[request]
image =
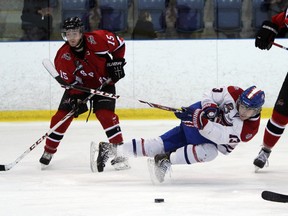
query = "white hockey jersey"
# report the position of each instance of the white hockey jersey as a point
(229, 129)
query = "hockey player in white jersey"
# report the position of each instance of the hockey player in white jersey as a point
(225, 117)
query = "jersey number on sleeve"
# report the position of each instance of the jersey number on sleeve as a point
(63, 75)
(110, 39)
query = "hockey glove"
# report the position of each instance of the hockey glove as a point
(78, 105)
(210, 110)
(115, 69)
(266, 35)
(199, 119)
(186, 114)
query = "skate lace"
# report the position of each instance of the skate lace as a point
(263, 156)
(105, 148)
(47, 156)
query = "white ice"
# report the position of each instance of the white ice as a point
(226, 186)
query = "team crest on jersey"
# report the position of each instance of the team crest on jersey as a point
(248, 136)
(91, 39)
(66, 56)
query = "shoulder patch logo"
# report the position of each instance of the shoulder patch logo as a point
(91, 40)
(66, 56)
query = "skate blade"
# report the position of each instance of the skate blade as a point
(256, 170)
(94, 149)
(44, 167)
(151, 169)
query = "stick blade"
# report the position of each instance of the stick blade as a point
(274, 197)
(50, 67)
(52, 71)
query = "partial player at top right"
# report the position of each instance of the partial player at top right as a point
(279, 119)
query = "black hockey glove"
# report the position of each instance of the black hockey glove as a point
(266, 35)
(186, 114)
(115, 69)
(78, 105)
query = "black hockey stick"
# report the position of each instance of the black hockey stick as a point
(64, 119)
(280, 46)
(275, 197)
(51, 69)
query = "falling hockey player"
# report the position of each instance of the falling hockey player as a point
(85, 60)
(225, 117)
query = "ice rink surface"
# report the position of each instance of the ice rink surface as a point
(226, 186)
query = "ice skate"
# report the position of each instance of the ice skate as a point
(45, 159)
(105, 151)
(262, 159)
(158, 167)
(120, 163)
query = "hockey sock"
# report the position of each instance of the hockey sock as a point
(110, 123)
(53, 140)
(274, 129)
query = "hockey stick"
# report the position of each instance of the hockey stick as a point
(64, 119)
(280, 46)
(274, 197)
(11, 165)
(51, 69)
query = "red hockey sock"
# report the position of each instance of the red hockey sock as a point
(110, 123)
(274, 129)
(53, 140)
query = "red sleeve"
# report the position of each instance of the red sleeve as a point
(64, 64)
(250, 129)
(107, 42)
(65, 67)
(281, 19)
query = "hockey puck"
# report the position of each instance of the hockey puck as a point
(159, 200)
(2, 168)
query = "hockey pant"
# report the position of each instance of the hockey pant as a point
(188, 154)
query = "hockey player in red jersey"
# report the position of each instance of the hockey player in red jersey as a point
(88, 59)
(222, 119)
(279, 119)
